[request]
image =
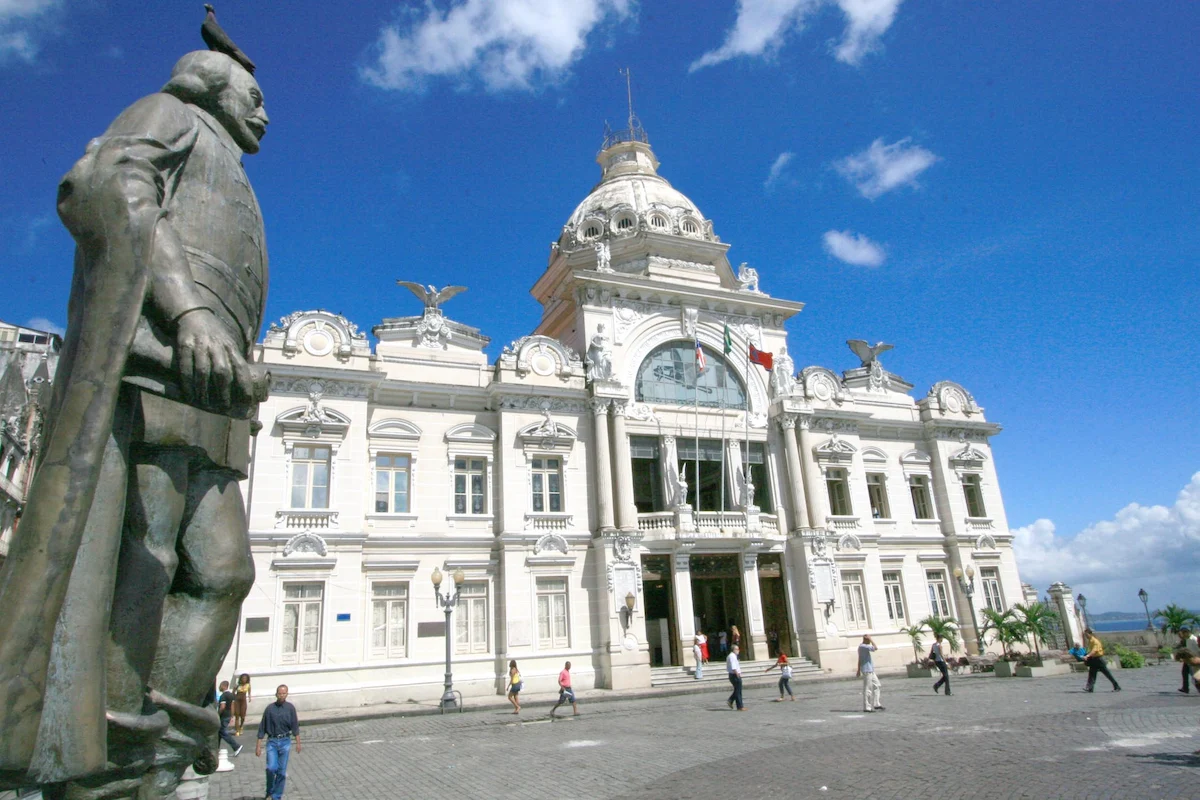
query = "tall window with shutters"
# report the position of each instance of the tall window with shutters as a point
(546, 482)
(973, 494)
(939, 599)
(389, 619)
(877, 493)
(552, 613)
(990, 578)
(310, 476)
(302, 611)
(471, 620)
(918, 487)
(855, 599)
(894, 593)
(392, 477)
(470, 485)
(839, 492)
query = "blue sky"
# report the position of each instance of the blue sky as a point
(1005, 191)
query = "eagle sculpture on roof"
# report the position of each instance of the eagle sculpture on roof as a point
(430, 295)
(867, 353)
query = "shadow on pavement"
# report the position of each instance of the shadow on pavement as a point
(1170, 759)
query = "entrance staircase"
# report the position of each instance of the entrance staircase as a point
(753, 673)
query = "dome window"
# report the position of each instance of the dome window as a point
(591, 231)
(625, 223)
(658, 221)
(690, 226)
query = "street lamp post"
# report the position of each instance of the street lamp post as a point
(448, 601)
(967, 585)
(1083, 607)
(1144, 597)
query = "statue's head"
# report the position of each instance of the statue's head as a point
(222, 87)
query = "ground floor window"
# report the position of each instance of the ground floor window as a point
(471, 619)
(855, 599)
(894, 594)
(990, 578)
(389, 619)
(939, 600)
(552, 612)
(302, 605)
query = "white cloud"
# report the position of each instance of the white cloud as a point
(853, 248)
(506, 44)
(1140, 547)
(43, 324)
(19, 23)
(866, 22)
(762, 26)
(777, 170)
(883, 167)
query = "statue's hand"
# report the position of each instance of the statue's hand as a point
(212, 371)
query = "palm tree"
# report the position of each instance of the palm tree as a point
(1035, 618)
(1174, 618)
(1009, 630)
(944, 626)
(914, 634)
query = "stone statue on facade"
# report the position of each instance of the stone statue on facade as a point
(122, 590)
(599, 357)
(868, 354)
(681, 487)
(783, 374)
(603, 257)
(748, 278)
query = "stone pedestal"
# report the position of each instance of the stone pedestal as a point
(1064, 605)
(192, 786)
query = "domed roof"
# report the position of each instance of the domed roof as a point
(631, 196)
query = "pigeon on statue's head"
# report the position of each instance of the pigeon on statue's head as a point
(217, 40)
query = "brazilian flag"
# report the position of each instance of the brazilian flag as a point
(728, 340)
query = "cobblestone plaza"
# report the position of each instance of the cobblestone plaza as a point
(994, 738)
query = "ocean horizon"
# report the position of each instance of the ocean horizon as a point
(1119, 625)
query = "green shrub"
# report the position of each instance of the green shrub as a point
(1130, 659)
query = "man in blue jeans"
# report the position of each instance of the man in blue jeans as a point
(733, 668)
(279, 726)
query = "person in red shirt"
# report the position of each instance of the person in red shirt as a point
(565, 693)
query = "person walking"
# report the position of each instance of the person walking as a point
(1096, 663)
(723, 643)
(733, 668)
(565, 693)
(1189, 653)
(785, 677)
(939, 661)
(698, 645)
(514, 686)
(225, 712)
(866, 669)
(279, 726)
(241, 701)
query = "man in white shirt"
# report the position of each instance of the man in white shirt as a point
(866, 668)
(1188, 649)
(734, 668)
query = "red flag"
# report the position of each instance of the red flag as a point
(701, 361)
(762, 358)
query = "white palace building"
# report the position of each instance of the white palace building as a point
(598, 501)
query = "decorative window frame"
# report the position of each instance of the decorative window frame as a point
(299, 425)
(543, 572)
(476, 570)
(387, 576)
(394, 436)
(309, 575)
(472, 440)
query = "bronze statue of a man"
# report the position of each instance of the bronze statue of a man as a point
(123, 585)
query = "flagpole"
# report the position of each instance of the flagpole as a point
(746, 459)
(696, 385)
(724, 371)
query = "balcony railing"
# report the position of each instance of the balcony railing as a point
(657, 521)
(549, 521)
(306, 518)
(843, 523)
(979, 524)
(716, 520)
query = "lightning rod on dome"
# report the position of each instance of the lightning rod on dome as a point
(634, 133)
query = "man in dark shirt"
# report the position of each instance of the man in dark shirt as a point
(279, 726)
(225, 711)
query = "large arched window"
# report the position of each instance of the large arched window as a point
(668, 375)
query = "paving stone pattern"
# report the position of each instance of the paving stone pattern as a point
(994, 738)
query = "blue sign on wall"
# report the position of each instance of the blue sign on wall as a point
(343, 617)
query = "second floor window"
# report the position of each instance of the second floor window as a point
(839, 492)
(973, 492)
(392, 474)
(990, 578)
(918, 487)
(310, 476)
(877, 493)
(470, 486)
(546, 477)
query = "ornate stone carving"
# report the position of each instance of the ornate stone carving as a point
(681, 486)
(985, 542)
(326, 388)
(603, 257)
(848, 541)
(822, 384)
(319, 333)
(551, 541)
(786, 422)
(952, 398)
(831, 425)
(525, 402)
(834, 450)
(688, 318)
(641, 411)
(432, 330)
(599, 406)
(623, 548)
(306, 542)
(783, 380)
(626, 316)
(968, 456)
(541, 355)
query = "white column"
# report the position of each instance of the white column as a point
(818, 503)
(685, 614)
(627, 519)
(757, 635)
(604, 487)
(795, 475)
(669, 458)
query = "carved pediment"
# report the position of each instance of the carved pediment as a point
(835, 450)
(968, 456)
(541, 355)
(394, 429)
(822, 384)
(471, 432)
(952, 398)
(307, 542)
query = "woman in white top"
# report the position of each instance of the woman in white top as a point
(939, 661)
(785, 678)
(698, 653)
